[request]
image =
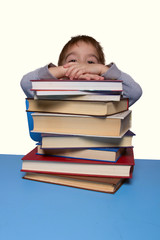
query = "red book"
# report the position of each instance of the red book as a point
(32, 162)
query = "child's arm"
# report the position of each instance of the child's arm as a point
(131, 89)
(40, 73)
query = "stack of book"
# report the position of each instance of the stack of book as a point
(86, 140)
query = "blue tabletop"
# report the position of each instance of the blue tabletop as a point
(35, 210)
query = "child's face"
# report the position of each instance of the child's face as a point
(81, 52)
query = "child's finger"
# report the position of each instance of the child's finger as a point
(67, 65)
(69, 71)
(91, 77)
(79, 70)
(74, 72)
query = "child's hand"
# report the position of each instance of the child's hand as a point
(85, 71)
(58, 72)
(86, 76)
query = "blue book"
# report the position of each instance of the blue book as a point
(34, 136)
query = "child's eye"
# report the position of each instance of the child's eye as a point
(72, 60)
(90, 62)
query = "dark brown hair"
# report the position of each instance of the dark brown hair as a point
(86, 39)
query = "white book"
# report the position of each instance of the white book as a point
(108, 85)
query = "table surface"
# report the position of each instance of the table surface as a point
(35, 210)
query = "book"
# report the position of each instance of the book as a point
(99, 154)
(57, 92)
(77, 107)
(114, 125)
(50, 141)
(123, 168)
(107, 185)
(84, 85)
(79, 95)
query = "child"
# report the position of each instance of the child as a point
(83, 58)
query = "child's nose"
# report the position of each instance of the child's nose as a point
(82, 61)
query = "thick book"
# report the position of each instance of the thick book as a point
(58, 141)
(107, 185)
(84, 85)
(77, 107)
(33, 162)
(99, 154)
(78, 95)
(114, 125)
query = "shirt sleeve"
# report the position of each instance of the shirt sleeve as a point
(131, 89)
(40, 73)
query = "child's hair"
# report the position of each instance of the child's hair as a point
(86, 39)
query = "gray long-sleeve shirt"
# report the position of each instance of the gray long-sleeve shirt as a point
(131, 89)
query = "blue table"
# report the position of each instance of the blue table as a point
(34, 210)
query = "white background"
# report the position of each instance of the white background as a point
(33, 33)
